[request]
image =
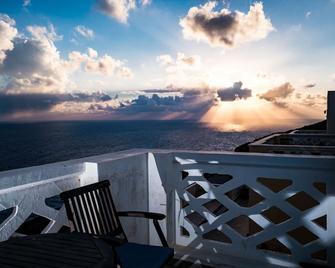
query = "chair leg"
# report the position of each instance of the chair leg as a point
(160, 233)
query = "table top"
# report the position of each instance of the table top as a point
(56, 250)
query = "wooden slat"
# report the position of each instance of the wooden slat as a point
(92, 210)
(77, 220)
(102, 212)
(89, 213)
(82, 215)
(109, 201)
(107, 211)
(97, 220)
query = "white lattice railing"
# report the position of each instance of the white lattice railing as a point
(273, 209)
(222, 208)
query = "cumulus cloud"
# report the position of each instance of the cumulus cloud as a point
(278, 94)
(234, 93)
(7, 34)
(104, 65)
(283, 97)
(225, 28)
(180, 63)
(84, 31)
(117, 9)
(182, 71)
(314, 100)
(32, 63)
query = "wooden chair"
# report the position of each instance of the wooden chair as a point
(90, 209)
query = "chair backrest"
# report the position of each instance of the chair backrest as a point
(91, 210)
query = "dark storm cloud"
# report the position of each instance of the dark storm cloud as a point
(235, 92)
(13, 103)
(27, 102)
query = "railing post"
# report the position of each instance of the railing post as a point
(90, 175)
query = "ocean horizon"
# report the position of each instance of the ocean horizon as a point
(32, 144)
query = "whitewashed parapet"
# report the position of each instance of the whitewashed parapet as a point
(23, 192)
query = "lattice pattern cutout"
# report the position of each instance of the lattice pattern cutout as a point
(37, 208)
(215, 204)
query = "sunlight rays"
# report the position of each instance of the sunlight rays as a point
(253, 114)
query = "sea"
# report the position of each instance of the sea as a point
(31, 144)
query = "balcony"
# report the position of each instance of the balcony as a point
(223, 209)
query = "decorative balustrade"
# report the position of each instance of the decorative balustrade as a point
(275, 209)
(222, 208)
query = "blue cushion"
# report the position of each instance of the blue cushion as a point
(132, 255)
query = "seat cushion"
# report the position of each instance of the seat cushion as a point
(133, 255)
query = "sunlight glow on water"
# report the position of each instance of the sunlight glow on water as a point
(31, 144)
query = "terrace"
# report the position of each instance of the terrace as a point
(223, 209)
(296, 142)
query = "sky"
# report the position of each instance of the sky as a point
(239, 63)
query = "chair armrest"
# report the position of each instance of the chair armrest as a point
(142, 214)
(148, 215)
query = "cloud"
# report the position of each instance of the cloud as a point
(26, 3)
(283, 97)
(234, 93)
(32, 63)
(84, 31)
(164, 59)
(160, 90)
(225, 28)
(278, 94)
(183, 71)
(191, 105)
(180, 63)
(310, 85)
(117, 9)
(7, 33)
(145, 2)
(23, 103)
(314, 100)
(296, 28)
(104, 65)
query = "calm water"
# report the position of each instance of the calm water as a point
(30, 144)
